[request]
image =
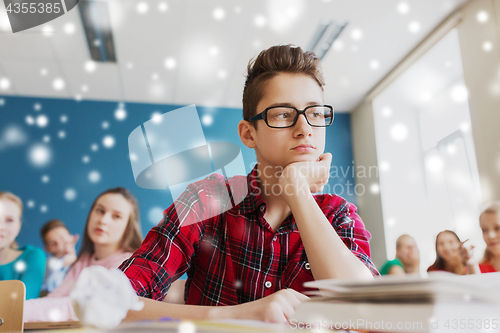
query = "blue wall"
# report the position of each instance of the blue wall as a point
(82, 129)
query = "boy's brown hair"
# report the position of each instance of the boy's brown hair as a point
(50, 225)
(271, 62)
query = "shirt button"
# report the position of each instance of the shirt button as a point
(307, 266)
(262, 208)
(268, 284)
(275, 238)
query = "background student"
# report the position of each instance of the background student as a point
(60, 246)
(489, 221)
(112, 233)
(452, 256)
(252, 257)
(27, 263)
(407, 259)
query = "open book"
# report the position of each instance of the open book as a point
(443, 302)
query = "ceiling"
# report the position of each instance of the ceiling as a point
(196, 51)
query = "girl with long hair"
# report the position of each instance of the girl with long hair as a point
(112, 233)
(452, 256)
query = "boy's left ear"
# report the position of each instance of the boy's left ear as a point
(246, 132)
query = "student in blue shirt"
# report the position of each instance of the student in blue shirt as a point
(61, 253)
(27, 263)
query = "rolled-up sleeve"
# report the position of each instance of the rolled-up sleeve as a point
(348, 224)
(169, 248)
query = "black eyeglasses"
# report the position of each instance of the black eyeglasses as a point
(286, 116)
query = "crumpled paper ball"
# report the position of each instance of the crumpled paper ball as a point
(101, 298)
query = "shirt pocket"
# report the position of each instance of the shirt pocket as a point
(295, 275)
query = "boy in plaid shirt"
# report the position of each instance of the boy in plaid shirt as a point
(254, 257)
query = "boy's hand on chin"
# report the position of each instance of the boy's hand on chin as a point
(414, 257)
(297, 177)
(70, 251)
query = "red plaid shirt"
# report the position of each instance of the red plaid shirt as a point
(233, 257)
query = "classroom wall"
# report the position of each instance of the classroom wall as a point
(365, 155)
(75, 173)
(482, 79)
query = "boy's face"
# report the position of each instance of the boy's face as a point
(407, 251)
(56, 241)
(302, 142)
